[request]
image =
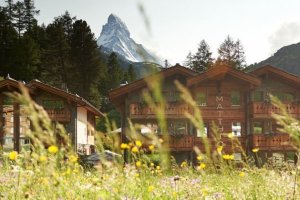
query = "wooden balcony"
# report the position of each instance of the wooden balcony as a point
(136, 110)
(277, 141)
(260, 109)
(182, 143)
(228, 112)
(59, 115)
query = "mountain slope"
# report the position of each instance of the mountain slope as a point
(115, 36)
(286, 58)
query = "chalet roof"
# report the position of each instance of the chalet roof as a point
(9, 82)
(222, 70)
(74, 97)
(275, 70)
(177, 69)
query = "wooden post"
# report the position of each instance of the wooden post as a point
(16, 127)
(1, 121)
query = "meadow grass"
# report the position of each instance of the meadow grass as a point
(51, 170)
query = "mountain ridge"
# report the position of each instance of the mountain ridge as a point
(115, 37)
(286, 58)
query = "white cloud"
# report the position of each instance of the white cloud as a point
(288, 33)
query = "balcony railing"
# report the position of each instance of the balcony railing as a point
(170, 109)
(184, 142)
(228, 112)
(277, 141)
(268, 109)
(60, 115)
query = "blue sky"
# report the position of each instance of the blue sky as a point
(263, 26)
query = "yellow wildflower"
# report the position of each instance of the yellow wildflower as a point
(255, 150)
(183, 164)
(151, 147)
(228, 157)
(124, 146)
(42, 159)
(68, 172)
(158, 167)
(53, 149)
(73, 159)
(201, 166)
(199, 157)
(138, 163)
(150, 188)
(13, 155)
(230, 135)
(138, 143)
(242, 174)
(152, 164)
(135, 149)
(219, 149)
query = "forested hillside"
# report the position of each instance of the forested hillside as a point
(63, 53)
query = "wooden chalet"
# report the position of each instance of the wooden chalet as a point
(75, 113)
(231, 100)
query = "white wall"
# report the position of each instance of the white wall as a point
(82, 126)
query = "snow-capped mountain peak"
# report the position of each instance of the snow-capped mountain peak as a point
(115, 36)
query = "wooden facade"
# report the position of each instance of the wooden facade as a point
(61, 106)
(233, 101)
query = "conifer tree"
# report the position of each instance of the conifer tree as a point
(86, 63)
(29, 15)
(131, 73)
(9, 8)
(8, 39)
(18, 17)
(56, 59)
(114, 71)
(232, 53)
(202, 60)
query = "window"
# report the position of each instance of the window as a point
(150, 128)
(257, 127)
(236, 129)
(201, 134)
(53, 104)
(235, 98)
(257, 96)
(177, 128)
(284, 96)
(201, 99)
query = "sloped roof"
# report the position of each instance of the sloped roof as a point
(177, 69)
(221, 71)
(56, 91)
(9, 82)
(275, 70)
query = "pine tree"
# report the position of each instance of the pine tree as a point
(29, 15)
(86, 63)
(131, 73)
(9, 8)
(202, 60)
(56, 56)
(189, 60)
(114, 71)
(18, 17)
(232, 53)
(26, 59)
(8, 39)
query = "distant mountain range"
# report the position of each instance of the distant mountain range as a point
(115, 37)
(286, 58)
